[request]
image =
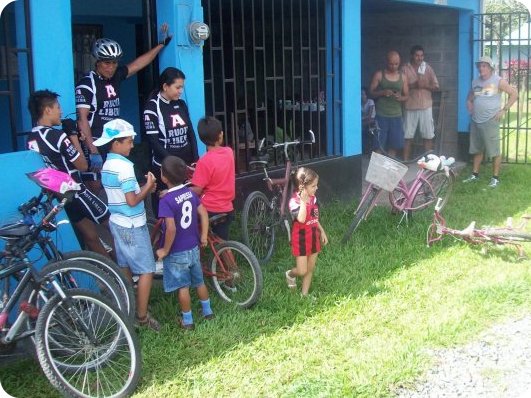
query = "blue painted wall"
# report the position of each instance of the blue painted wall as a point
(183, 54)
(17, 188)
(52, 48)
(351, 82)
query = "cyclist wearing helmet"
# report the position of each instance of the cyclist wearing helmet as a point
(98, 94)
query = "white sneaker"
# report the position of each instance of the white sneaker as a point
(472, 178)
(494, 182)
(291, 281)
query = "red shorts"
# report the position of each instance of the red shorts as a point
(305, 239)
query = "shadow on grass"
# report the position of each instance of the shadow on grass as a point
(376, 251)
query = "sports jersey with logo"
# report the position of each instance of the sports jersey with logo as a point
(171, 122)
(306, 236)
(181, 204)
(59, 153)
(56, 149)
(101, 96)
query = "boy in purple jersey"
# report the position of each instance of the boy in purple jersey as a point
(180, 208)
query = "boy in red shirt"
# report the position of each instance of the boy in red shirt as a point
(214, 178)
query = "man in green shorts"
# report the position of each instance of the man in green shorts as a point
(484, 105)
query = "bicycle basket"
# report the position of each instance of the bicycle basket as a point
(385, 172)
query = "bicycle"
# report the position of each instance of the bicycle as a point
(261, 215)
(232, 267)
(508, 235)
(85, 346)
(434, 179)
(30, 233)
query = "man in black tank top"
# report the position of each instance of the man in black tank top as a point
(61, 150)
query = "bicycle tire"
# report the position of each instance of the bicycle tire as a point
(240, 280)
(110, 267)
(258, 226)
(442, 185)
(92, 378)
(361, 213)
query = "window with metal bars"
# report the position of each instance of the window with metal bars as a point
(266, 73)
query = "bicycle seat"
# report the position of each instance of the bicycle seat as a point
(217, 218)
(15, 230)
(468, 231)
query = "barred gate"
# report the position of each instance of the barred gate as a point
(270, 72)
(506, 38)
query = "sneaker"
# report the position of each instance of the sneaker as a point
(472, 178)
(209, 317)
(148, 322)
(187, 326)
(494, 182)
(291, 281)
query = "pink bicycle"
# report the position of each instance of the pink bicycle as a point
(508, 235)
(434, 179)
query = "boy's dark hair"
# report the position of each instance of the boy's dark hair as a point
(106, 148)
(174, 169)
(209, 129)
(415, 48)
(39, 100)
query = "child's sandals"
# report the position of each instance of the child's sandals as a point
(291, 281)
(149, 322)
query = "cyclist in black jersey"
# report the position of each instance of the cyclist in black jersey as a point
(168, 125)
(98, 94)
(60, 149)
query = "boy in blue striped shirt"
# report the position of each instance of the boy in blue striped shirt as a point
(128, 217)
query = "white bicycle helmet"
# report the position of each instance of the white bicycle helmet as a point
(106, 50)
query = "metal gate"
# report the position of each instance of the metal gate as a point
(506, 38)
(16, 76)
(268, 71)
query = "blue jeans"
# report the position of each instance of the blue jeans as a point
(133, 248)
(182, 269)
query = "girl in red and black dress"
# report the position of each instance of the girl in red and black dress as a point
(307, 234)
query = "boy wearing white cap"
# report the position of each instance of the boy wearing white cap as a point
(128, 217)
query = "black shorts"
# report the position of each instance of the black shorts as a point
(87, 205)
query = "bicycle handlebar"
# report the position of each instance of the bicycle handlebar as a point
(286, 144)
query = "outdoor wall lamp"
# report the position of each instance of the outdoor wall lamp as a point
(199, 32)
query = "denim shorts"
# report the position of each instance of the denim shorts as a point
(133, 248)
(182, 269)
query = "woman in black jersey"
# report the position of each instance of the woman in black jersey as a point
(168, 125)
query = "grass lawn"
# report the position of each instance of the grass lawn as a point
(377, 305)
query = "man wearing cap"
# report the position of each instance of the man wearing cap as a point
(98, 94)
(418, 107)
(484, 105)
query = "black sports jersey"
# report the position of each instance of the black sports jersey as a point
(171, 122)
(56, 149)
(101, 97)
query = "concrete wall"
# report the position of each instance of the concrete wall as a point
(434, 28)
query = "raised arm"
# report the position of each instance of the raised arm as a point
(148, 57)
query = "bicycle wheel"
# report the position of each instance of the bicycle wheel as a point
(362, 212)
(442, 185)
(79, 274)
(105, 354)
(112, 269)
(237, 276)
(258, 226)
